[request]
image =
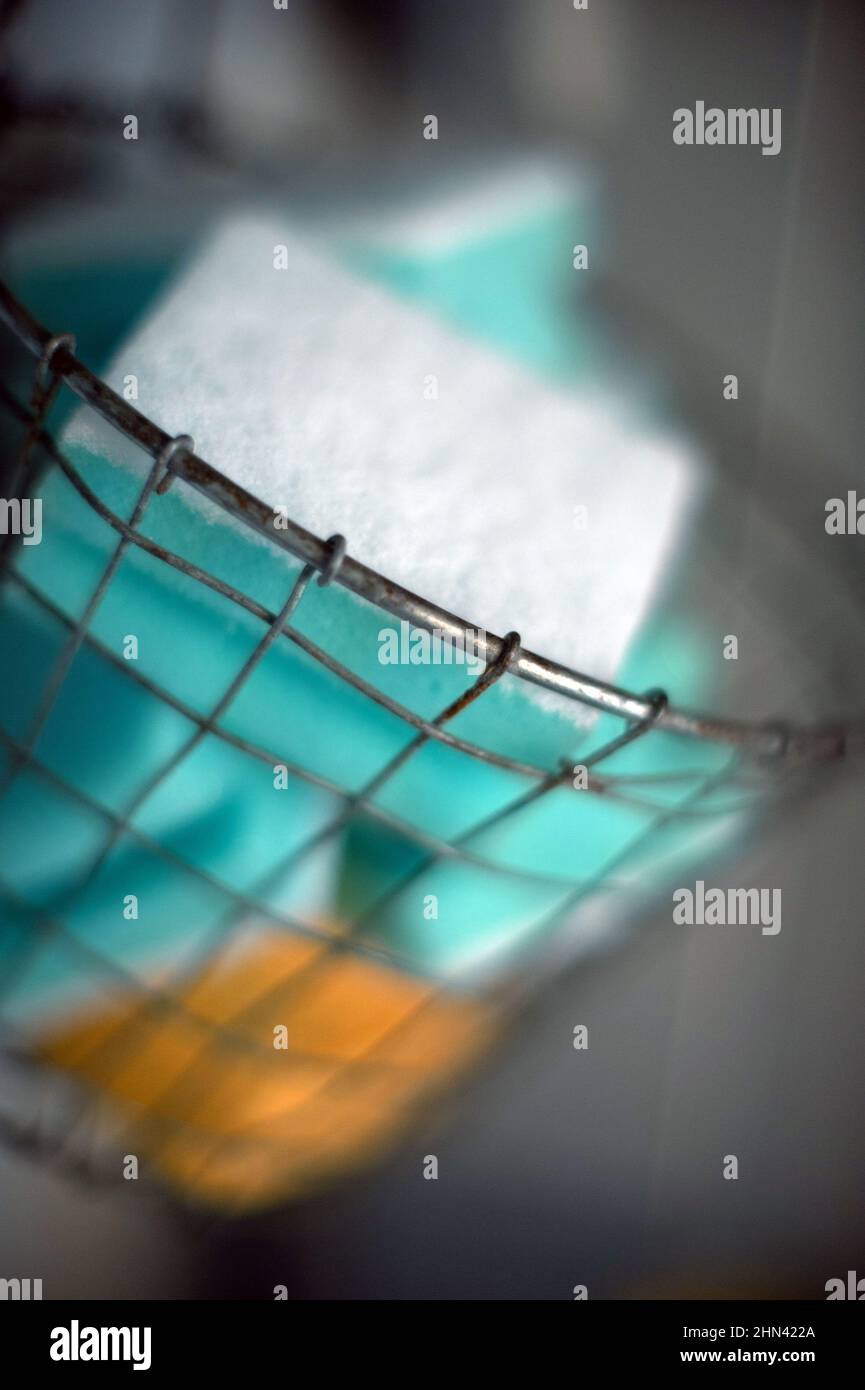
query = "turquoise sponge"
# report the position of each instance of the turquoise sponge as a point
(224, 829)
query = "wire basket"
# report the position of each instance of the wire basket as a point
(123, 1086)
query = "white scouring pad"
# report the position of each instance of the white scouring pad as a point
(449, 469)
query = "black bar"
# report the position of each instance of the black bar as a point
(597, 1338)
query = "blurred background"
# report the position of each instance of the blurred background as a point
(557, 1167)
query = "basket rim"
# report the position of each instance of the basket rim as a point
(774, 741)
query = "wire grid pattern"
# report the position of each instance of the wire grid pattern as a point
(639, 716)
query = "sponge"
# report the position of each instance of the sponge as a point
(451, 469)
(485, 484)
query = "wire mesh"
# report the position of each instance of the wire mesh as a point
(762, 760)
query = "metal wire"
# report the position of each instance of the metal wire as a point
(762, 757)
(759, 739)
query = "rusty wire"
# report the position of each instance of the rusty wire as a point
(774, 751)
